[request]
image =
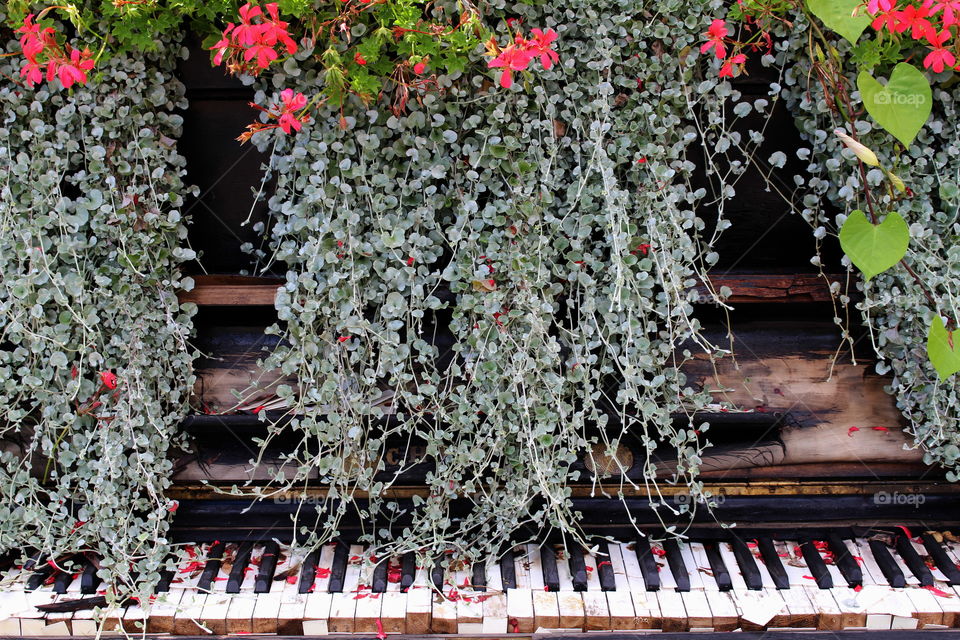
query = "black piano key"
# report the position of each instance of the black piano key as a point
(846, 563)
(39, 576)
(721, 574)
(239, 570)
(268, 567)
(578, 568)
(648, 564)
(881, 554)
(508, 570)
(605, 568)
(816, 565)
(548, 560)
(437, 573)
(308, 571)
(942, 560)
(677, 566)
(163, 586)
(212, 567)
(479, 579)
(61, 581)
(913, 561)
(89, 580)
(771, 559)
(339, 568)
(408, 570)
(379, 581)
(747, 563)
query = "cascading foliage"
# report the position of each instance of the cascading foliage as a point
(95, 368)
(553, 226)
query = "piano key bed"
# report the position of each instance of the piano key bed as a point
(829, 581)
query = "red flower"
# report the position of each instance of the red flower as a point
(951, 11)
(511, 59)
(915, 19)
(248, 33)
(292, 102)
(715, 34)
(359, 59)
(726, 71)
(421, 66)
(109, 379)
(274, 31)
(34, 39)
(541, 45)
(31, 72)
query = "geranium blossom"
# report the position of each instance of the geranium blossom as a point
(940, 57)
(715, 34)
(292, 102)
(951, 12)
(916, 19)
(726, 71)
(511, 59)
(256, 40)
(518, 55)
(541, 44)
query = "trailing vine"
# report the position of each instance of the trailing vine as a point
(95, 369)
(554, 224)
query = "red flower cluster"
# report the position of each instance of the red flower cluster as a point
(931, 22)
(290, 114)
(715, 40)
(251, 46)
(40, 48)
(520, 53)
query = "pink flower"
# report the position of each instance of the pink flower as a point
(359, 59)
(34, 38)
(275, 30)
(247, 33)
(715, 34)
(31, 72)
(264, 55)
(939, 57)
(109, 379)
(875, 6)
(541, 45)
(75, 70)
(511, 59)
(951, 12)
(223, 45)
(726, 71)
(292, 102)
(420, 67)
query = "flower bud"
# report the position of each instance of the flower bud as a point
(866, 155)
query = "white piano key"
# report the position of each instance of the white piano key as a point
(536, 567)
(520, 610)
(368, 606)
(596, 610)
(494, 603)
(187, 619)
(829, 615)
(622, 614)
(673, 611)
(758, 609)
(469, 607)
(619, 568)
(856, 554)
(696, 577)
(343, 606)
(317, 612)
(921, 550)
(698, 609)
(796, 567)
(927, 609)
(563, 570)
(420, 604)
(494, 577)
(444, 615)
(393, 613)
(828, 559)
(702, 567)
(631, 567)
(593, 576)
(723, 610)
(800, 611)
(522, 567)
(163, 610)
(214, 613)
(546, 609)
(321, 581)
(912, 580)
(292, 603)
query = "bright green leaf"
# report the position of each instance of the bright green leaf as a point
(838, 16)
(874, 248)
(941, 350)
(903, 105)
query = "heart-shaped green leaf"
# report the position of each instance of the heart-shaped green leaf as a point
(941, 350)
(874, 248)
(901, 107)
(838, 16)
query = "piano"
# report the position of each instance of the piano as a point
(838, 526)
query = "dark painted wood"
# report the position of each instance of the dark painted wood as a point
(747, 563)
(61, 581)
(891, 571)
(341, 556)
(379, 581)
(846, 563)
(941, 559)
(437, 573)
(239, 569)
(308, 572)
(268, 567)
(772, 561)
(479, 579)
(548, 560)
(578, 568)
(816, 565)
(408, 570)
(212, 567)
(605, 568)
(508, 570)
(913, 561)
(677, 566)
(648, 563)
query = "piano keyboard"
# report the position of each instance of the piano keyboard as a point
(833, 582)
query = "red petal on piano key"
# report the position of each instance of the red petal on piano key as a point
(809, 577)
(292, 579)
(858, 588)
(380, 634)
(938, 592)
(323, 572)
